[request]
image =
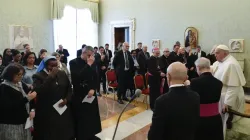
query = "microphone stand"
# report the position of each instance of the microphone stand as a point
(119, 119)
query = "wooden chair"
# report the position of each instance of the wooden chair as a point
(139, 84)
(111, 81)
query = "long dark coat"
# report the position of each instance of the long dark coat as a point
(48, 123)
(86, 115)
(209, 89)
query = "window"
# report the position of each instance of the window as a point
(74, 29)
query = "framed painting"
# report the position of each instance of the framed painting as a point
(156, 43)
(191, 37)
(236, 45)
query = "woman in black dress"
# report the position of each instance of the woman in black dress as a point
(51, 86)
(15, 107)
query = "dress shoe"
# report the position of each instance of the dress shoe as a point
(125, 99)
(120, 101)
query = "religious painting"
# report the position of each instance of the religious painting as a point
(191, 37)
(156, 43)
(20, 35)
(236, 45)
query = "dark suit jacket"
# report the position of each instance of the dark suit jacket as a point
(173, 57)
(164, 63)
(119, 62)
(110, 54)
(137, 51)
(142, 61)
(64, 59)
(79, 53)
(203, 54)
(176, 115)
(209, 88)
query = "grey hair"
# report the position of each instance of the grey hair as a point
(203, 63)
(55, 54)
(88, 48)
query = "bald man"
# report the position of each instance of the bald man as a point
(176, 113)
(124, 65)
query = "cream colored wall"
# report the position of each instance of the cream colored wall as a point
(217, 22)
(35, 13)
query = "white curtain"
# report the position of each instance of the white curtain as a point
(74, 29)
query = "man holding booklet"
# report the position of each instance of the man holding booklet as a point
(84, 101)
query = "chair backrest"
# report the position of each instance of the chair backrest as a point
(111, 76)
(138, 81)
(146, 78)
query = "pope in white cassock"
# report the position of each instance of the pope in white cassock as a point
(228, 70)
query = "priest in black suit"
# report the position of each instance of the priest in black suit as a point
(155, 77)
(124, 66)
(164, 63)
(142, 58)
(176, 113)
(84, 80)
(174, 55)
(209, 88)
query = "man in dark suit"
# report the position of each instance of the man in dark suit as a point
(98, 68)
(139, 48)
(199, 53)
(142, 59)
(174, 55)
(103, 67)
(108, 52)
(64, 54)
(164, 63)
(124, 66)
(176, 114)
(209, 88)
(79, 52)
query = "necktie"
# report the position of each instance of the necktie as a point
(126, 60)
(107, 53)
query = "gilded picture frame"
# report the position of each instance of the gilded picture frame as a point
(191, 37)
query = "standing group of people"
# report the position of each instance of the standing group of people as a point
(198, 110)
(35, 92)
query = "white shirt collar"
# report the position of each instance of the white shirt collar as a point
(176, 85)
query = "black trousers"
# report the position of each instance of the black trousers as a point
(125, 81)
(154, 89)
(103, 79)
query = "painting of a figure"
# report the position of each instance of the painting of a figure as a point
(156, 43)
(19, 36)
(191, 37)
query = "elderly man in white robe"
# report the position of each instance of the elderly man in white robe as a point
(228, 70)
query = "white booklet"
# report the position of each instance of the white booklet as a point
(88, 100)
(29, 123)
(60, 110)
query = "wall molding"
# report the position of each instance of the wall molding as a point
(123, 23)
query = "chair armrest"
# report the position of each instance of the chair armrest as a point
(231, 111)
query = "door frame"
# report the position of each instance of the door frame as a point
(130, 23)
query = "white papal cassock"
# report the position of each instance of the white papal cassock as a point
(230, 73)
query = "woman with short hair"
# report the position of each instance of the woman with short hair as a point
(30, 68)
(14, 104)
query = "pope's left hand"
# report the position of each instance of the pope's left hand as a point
(225, 108)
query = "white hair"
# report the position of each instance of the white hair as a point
(203, 63)
(88, 48)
